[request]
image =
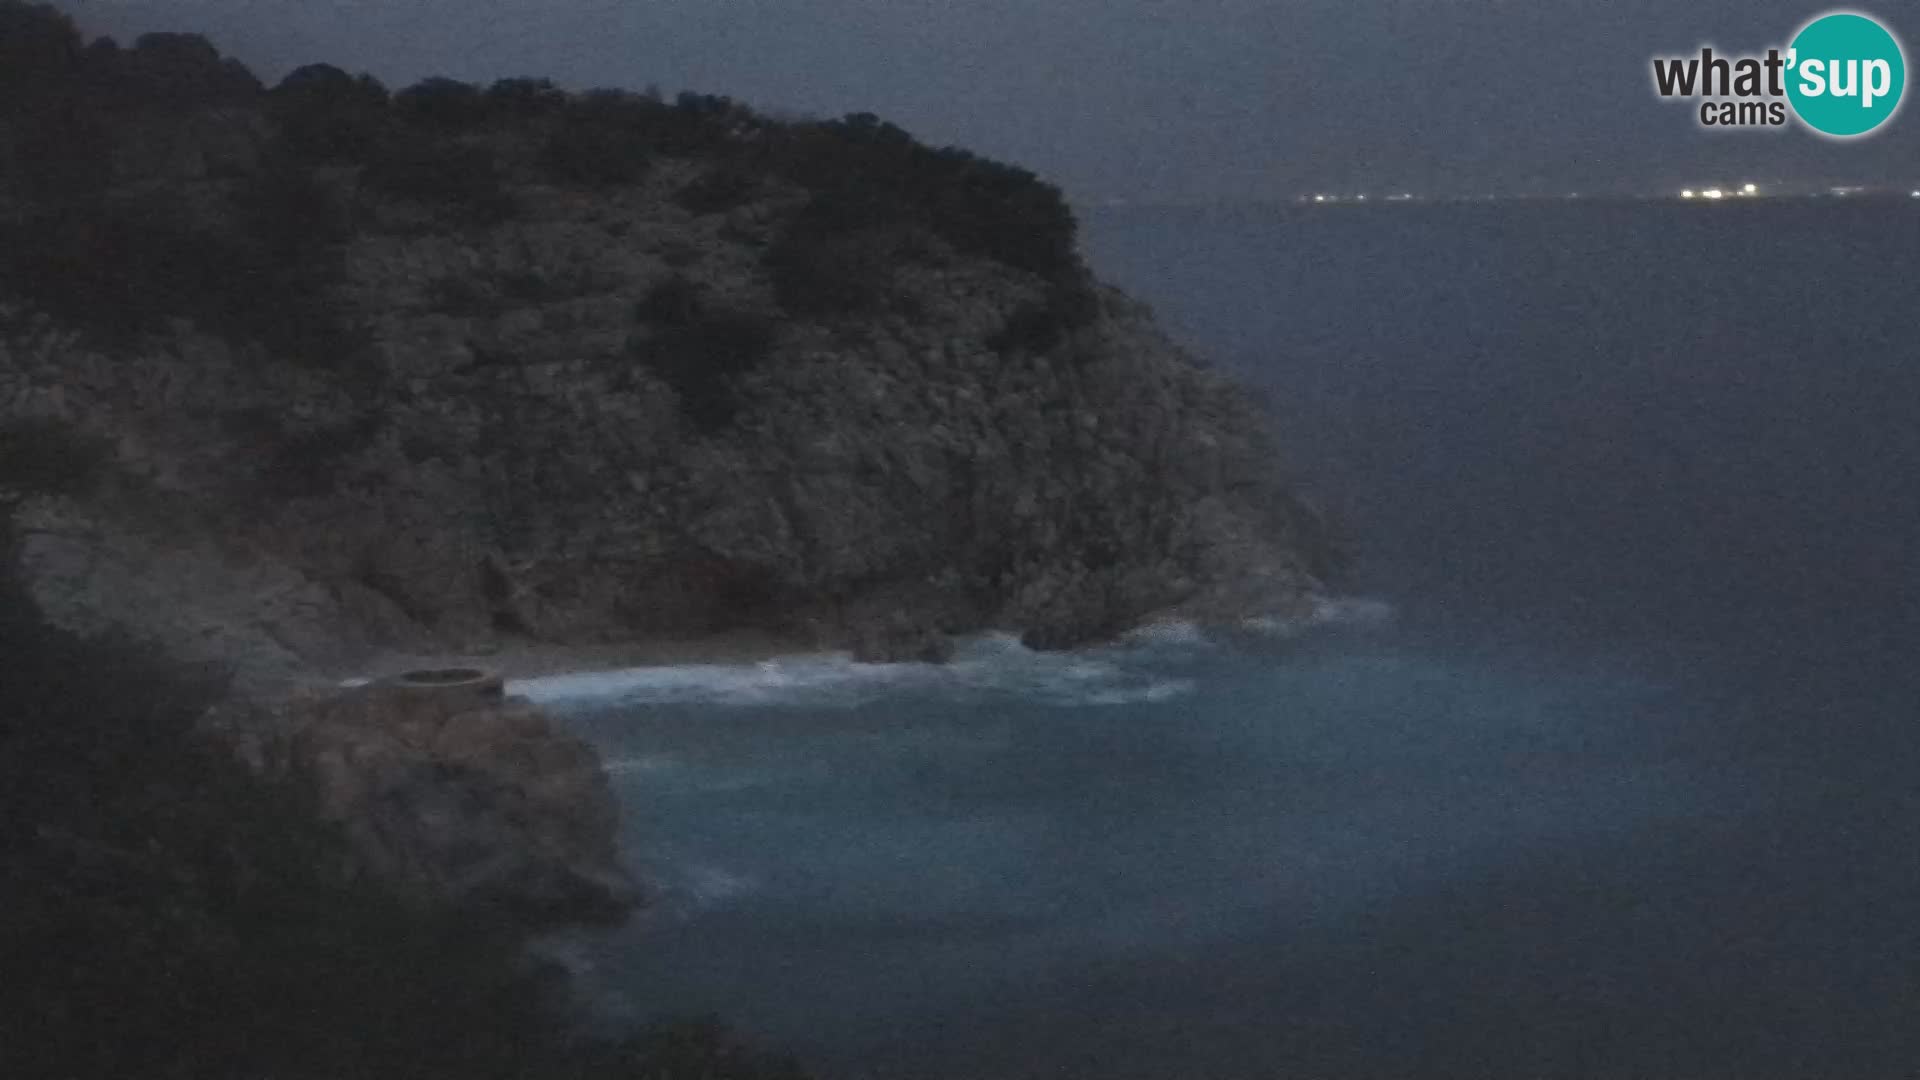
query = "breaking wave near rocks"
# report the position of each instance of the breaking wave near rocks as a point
(1138, 669)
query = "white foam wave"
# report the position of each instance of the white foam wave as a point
(713, 884)
(989, 666)
(1158, 691)
(1327, 612)
(791, 680)
(994, 665)
(1178, 633)
(1351, 611)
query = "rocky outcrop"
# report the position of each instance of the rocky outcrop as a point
(208, 597)
(882, 486)
(453, 795)
(418, 373)
(459, 363)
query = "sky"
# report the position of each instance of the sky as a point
(1144, 100)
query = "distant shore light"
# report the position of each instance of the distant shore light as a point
(1687, 194)
(1750, 189)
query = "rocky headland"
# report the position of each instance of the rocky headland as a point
(293, 379)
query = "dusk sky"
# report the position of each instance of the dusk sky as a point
(1141, 99)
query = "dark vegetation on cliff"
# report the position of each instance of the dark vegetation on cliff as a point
(169, 916)
(124, 262)
(296, 376)
(516, 361)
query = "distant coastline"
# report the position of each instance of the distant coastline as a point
(1852, 193)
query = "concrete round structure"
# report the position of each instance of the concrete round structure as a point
(476, 685)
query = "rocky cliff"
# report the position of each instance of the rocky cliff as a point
(874, 492)
(449, 795)
(294, 379)
(438, 386)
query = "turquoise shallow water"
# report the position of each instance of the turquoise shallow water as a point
(1614, 775)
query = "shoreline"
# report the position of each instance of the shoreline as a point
(519, 660)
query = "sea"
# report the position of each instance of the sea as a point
(1605, 762)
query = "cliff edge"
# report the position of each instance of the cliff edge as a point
(295, 378)
(422, 370)
(449, 791)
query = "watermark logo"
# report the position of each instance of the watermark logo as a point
(1852, 75)
(1843, 76)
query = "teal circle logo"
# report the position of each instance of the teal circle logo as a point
(1846, 75)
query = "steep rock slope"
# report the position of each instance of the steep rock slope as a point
(295, 380)
(430, 370)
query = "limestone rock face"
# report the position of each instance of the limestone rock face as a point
(457, 798)
(292, 383)
(505, 452)
(359, 406)
(208, 598)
